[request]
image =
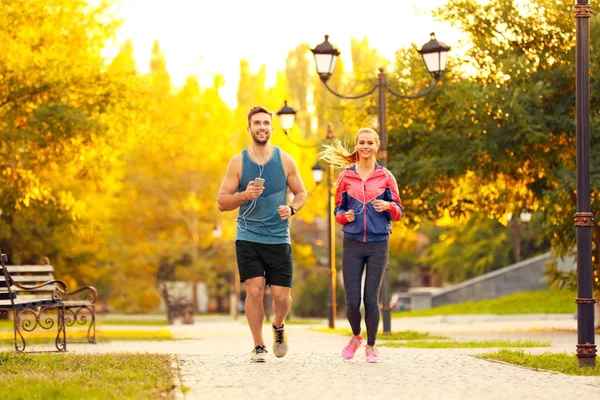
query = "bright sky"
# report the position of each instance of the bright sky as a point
(202, 37)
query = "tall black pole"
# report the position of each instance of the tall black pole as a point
(586, 349)
(517, 239)
(331, 291)
(386, 310)
(331, 288)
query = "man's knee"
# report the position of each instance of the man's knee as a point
(255, 292)
(281, 295)
(282, 298)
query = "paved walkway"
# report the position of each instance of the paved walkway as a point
(215, 363)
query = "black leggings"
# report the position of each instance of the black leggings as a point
(356, 256)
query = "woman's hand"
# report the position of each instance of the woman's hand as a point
(381, 205)
(349, 215)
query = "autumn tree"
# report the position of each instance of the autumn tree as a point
(54, 146)
(501, 138)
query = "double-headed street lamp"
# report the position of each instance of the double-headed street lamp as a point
(287, 117)
(584, 218)
(434, 55)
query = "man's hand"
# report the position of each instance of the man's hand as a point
(349, 215)
(252, 191)
(284, 212)
(381, 205)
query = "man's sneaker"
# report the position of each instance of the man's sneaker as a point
(259, 354)
(351, 347)
(280, 343)
(372, 354)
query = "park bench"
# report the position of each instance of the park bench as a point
(80, 304)
(34, 304)
(35, 291)
(177, 307)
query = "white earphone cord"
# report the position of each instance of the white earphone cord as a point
(242, 218)
(364, 202)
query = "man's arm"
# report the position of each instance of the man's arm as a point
(229, 198)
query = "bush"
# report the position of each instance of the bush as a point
(311, 297)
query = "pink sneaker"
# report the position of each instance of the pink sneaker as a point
(351, 347)
(372, 354)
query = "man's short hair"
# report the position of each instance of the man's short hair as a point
(257, 110)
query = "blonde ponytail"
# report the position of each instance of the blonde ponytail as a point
(338, 155)
(341, 157)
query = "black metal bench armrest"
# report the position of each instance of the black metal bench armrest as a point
(91, 295)
(60, 289)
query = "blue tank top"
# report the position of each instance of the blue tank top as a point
(259, 221)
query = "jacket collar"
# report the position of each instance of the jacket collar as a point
(377, 169)
(353, 168)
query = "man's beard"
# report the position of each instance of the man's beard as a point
(259, 141)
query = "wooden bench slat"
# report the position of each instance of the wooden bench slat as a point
(34, 296)
(26, 303)
(32, 278)
(15, 269)
(45, 289)
(77, 303)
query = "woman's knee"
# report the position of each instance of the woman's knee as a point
(352, 304)
(371, 304)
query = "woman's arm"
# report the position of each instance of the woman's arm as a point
(341, 200)
(395, 209)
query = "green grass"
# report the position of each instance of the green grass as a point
(409, 335)
(454, 344)
(140, 322)
(398, 335)
(538, 302)
(558, 362)
(558, 330)
(100, 376)
(292, 321)
(301, 321)
(50, 341)
(8, 324)
(40, 336)
(426, 340)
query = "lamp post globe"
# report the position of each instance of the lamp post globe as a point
(287, 117)
(325, 58)
(217, 231)
(434, 55)
(525, 216)
(317, 173)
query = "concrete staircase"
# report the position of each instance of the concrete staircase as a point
(524, 276)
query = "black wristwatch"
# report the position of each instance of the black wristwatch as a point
(293, 209)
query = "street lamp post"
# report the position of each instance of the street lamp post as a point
(331, 291)
(517, 225)
(234, 297)
(287, 117)
(584, 218)
(434, 56)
